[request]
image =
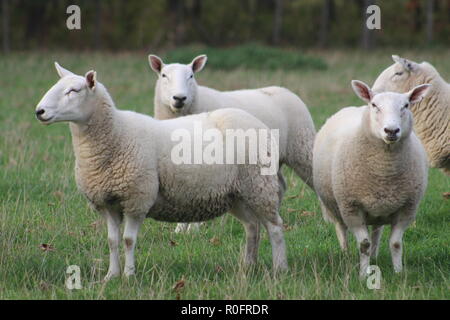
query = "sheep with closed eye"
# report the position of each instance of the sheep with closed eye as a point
(125, 169)
(432, 114)
(370, 169)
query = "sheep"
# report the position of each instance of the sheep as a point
(178, 94)
(432, 115)
(125, 169)
(371, 169)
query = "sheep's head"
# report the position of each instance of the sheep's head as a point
(176, 83)
(67, 99)
(390, 118)
(402, 76)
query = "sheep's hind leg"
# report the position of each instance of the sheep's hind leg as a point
(282, 185)
(275, 231)
(341, 233)
(252, 232)
(132, 225)
(113, 221)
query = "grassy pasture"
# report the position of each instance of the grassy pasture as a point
(39, 202)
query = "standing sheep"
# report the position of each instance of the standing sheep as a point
(125, 170)
(432, 115)
(371, 169)
(177, 94)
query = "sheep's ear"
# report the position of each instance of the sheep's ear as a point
(199, 63)
(362, 90)
(418, 93)
(156, 63)
(61, 71)
(408, 65)
(91, 79)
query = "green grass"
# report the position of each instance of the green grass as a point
(39, 202)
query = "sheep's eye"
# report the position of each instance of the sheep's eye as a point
(72, 90)
(406, 106)
(191, 76)
(375, 106)
(163, 75)
(398, 73)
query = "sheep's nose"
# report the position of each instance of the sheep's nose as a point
(392, 132)
(40, 112)
(179, 98)
(179, 101)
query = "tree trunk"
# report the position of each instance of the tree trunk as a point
(325, 22)
(98, 23)
(5, 26)
(430, 20)
(367, 35)
(277, 22)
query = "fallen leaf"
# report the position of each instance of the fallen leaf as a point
(308, 214)
(219, 269)
(59, 195)
(96, 224)
(44, 286)
(287, 227)
(172, 243)
(292, 210)
(446, 195)
(214, 241)
(46, 247)
(179, 285)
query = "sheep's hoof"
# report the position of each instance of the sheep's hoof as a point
(128, 272)
(181, 227)
(110, 275)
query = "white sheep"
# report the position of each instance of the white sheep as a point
(432, 115)
(371, 169)
(124, 168)
(178, 94)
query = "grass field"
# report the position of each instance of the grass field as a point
(40, 205)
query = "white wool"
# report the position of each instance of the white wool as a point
(371, 169)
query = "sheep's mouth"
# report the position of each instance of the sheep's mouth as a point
(391, 139)
(45, 121)
(177, 106)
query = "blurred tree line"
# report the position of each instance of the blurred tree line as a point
(145, 25)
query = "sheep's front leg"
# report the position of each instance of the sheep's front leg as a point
(377, 232)
(113, 222)
(357, 226)
(396, 243)
(132, 225)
